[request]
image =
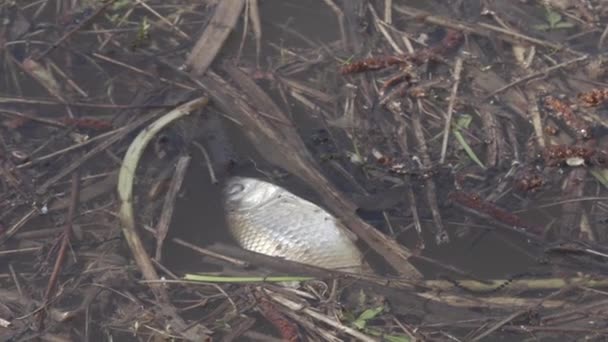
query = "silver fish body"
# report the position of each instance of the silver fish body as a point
(267, 219)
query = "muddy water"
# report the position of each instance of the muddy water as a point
(198, 217)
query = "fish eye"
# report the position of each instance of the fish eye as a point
(235, 189)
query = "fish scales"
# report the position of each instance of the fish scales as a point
(267, 219)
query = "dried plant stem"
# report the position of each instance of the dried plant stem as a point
(340, 16)
(534, 75)
(126, 178)
(211, 41)
(448, 120)
(168, 206)
(441, 235)
(65, 241)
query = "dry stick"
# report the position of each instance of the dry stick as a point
(537, 122)
(550, 319)
(101, 147)
(441, 235)
(210, 253)
(65, 241)
(448, 120)
(163, 19)
(244, 37)
(43, 120)
(381, 27)
(207, 161)
(70, 148)
(480, 29)
(388, 11)
(74, 30)
(543, 72)
(211, 41)
(256, 25)
(18, 225)
(340, 16)
(399, 115)
(79, 104)
(68, 80)
(499, 324)
(288, 303)
(143, 72)
(494, 302)
(493, 135)
(600, 42)
(26, 250)
(168, 206)
(291, 153)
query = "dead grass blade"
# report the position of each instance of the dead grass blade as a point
(211, 41)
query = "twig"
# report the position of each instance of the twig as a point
(600, 43)
(256, 25)
(399, 116)
(499, 324)
(167, 212)
(441, 235)
(70, 148)
(543, 72)
(537, 123)
(448, 120)
(380, 26)
(140, 71)
(163, 19)
(244, 37)
(388, 11)
(18, 225)
(481, 29)
(210, 253)
(340, 16)
(4, 99)
(207, 161)
(211, 41)
(101, 147)
(74, 30)
(65, 241)
(288, 303)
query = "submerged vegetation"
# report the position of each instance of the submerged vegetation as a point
(462, 142)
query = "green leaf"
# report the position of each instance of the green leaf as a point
(553, 18)
(397, 338)
(542, 27)
(367, 315)
(464, 121)
(564, 24)
(467, 148)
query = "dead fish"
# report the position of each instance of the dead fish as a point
(268, 219)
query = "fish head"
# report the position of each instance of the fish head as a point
(241, 193)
